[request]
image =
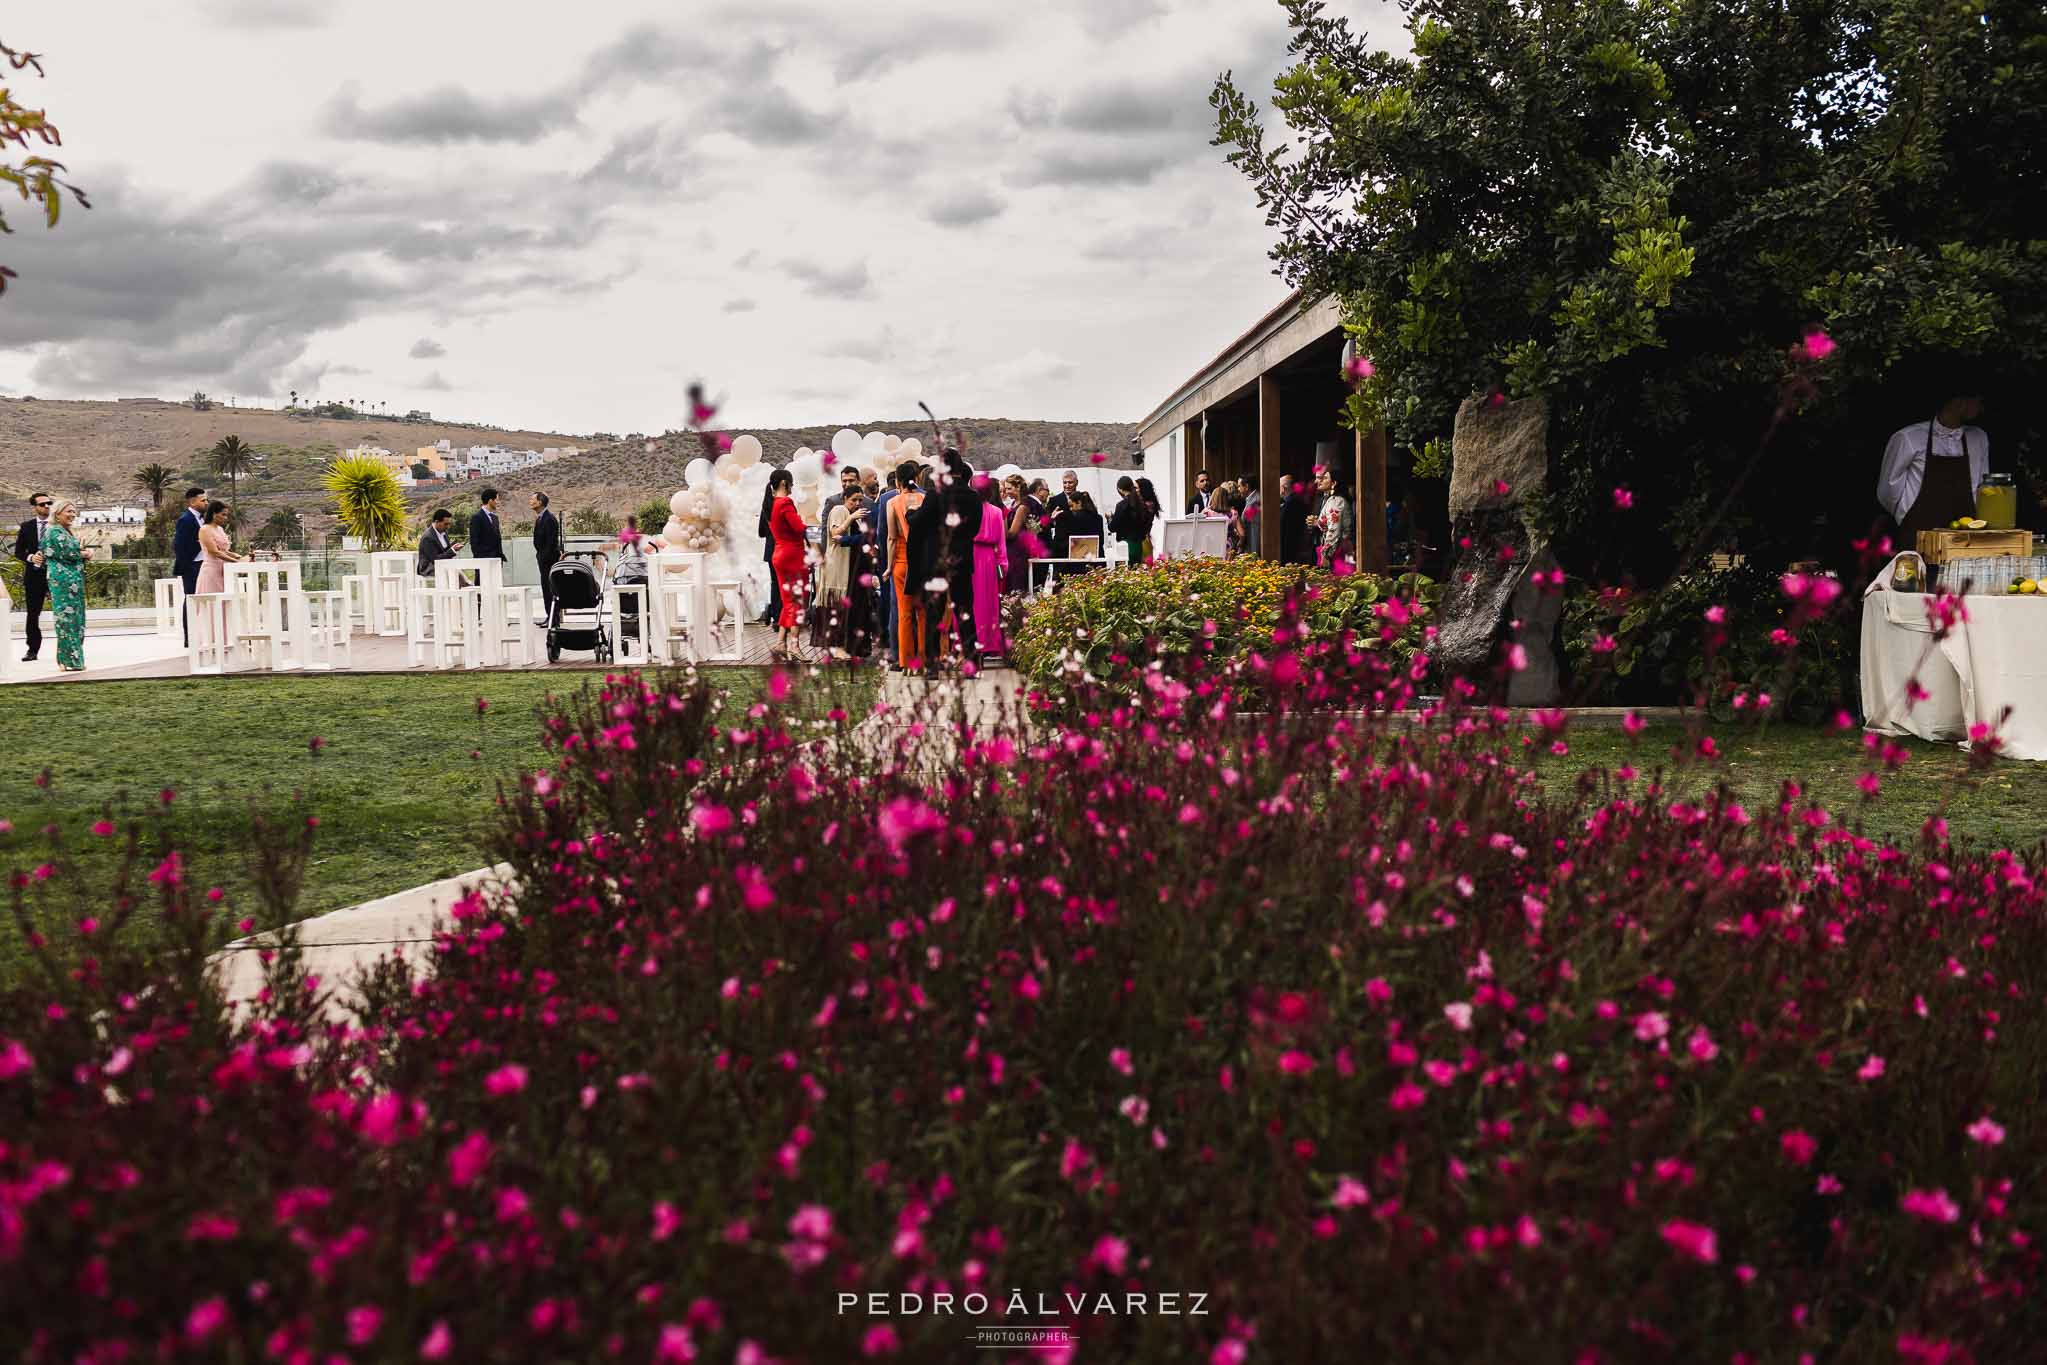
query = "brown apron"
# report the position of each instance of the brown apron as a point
(1945, 492)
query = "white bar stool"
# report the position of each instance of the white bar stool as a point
(170, 601)
(444, 628)
(729, 595)
(358, 602)
(391, 582)
(510, 622)
(211, 648)
(326, 629)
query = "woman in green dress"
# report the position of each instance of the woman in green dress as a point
(65, 558)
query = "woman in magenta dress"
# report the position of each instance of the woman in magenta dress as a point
(991, 562)
(790, 561)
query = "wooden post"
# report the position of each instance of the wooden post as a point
(1373, 552)
(1272, 495)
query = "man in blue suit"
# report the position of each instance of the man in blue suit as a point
(185, 548)
(485, 537)
(887, 614)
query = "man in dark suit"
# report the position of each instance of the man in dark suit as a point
(547, 547)
(897, 480)
(1058, 509)
(434, 544)
(1198, 504)
(35, 578)
(185, 547)
(486, 541)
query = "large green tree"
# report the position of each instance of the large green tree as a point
(1636, 210)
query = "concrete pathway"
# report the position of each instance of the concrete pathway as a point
(340, 945)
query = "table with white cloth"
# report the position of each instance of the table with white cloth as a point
(486, 624)
(1989, 664)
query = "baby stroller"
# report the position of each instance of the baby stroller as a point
(578, 596)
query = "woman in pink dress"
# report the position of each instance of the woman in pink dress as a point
(991, 562)
(216, 550)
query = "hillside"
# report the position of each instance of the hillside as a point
(61, 446)
(46, 443)
(621, 475)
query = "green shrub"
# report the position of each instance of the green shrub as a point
(1205, 617)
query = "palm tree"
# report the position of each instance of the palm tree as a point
(231, 460)
(294, 400)
(155, 480)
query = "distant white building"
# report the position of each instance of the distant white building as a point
(495, 459)
(114, 516)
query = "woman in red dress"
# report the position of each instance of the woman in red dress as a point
(790, 562)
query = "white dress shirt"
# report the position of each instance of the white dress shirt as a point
(1904, 467)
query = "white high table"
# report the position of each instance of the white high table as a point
(265, 591)
(1991, 663)
(486, 624)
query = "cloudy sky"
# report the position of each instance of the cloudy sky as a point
(555, 217)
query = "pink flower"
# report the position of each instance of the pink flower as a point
(711, 821)
(205, 1319)
(468, 1160)
(1650, 1026)
(1702, 1047)
(14, 1059)
(1623, 499)
(1932, 1205)
(674, 1345)
(363, 1324)
(812, 1222)
(1986, 1131)
(381, 1122)
(1350, 1194)
(904, 819)
(1692, 1239)
(1134, 1108)
(1111, 1254)
(508, 1079)
(1871, 1069)
(1517, 658)
(1817, 344)
(1294, 1062)
(1798, 1147)
(1407, 1095)
(879, 1340)
(1458, 1012)
(1378, 992)
(1119, 1058)
(439, 1341)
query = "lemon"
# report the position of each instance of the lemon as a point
(2028, 586)
(1976, 523)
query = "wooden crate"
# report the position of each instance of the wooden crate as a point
(1939, 547)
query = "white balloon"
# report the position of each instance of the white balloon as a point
(873, 443)
(679, 503)
(698, 473)
(801, 451)
(1005, 471)
(746, 451)
(846, 444)
(730, 472)
(890, 445)
(912, 448)
(806, 470)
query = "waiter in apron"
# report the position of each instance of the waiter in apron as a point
(1932, 469)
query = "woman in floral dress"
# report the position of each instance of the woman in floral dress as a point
(65, 558)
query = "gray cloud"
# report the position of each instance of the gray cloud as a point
(145, 294)
(294, 183)
(1111, 166)
(426, 348)
(965, 209)
(268, 13)
(645, 52)
(773, 118)
(739, 306)
(1108, 18)
(448, 114)
(1123, 109)
(843, 282)
(435, 383)
(646, 159)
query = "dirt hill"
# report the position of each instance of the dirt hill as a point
(66, 446)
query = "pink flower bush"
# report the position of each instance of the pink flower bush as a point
(1609, 1073)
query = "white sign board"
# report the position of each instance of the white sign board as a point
(1192, 537)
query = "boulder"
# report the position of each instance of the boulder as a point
(1491, 596)
(1490, 446)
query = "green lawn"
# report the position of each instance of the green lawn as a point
(406, 779)
(2003, 806)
